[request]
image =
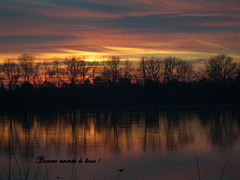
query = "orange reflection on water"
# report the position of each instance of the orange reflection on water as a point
(152, 143)
(120, 133)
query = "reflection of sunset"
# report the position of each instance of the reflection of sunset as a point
(156, 143)
(104, 135)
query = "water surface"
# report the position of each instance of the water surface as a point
(143, 143)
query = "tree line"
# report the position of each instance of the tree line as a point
(75, 71)
(27, 82)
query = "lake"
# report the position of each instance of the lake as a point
(121, 143)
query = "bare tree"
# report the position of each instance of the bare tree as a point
(113, 68)
(142, 66)
(26, 62)
(169, 67)
(12, 73)
(238, 71)
(73, 65)
(57, 74)
(184, 71)
(46, 71)
(1, 76)
(84, 68)
(36, 76)
(94, 66)
(127, 70)
(106, 73)
(219, 68)
(153, 68)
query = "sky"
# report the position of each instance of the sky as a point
(55, 29)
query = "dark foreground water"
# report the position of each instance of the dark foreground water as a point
(121, 143)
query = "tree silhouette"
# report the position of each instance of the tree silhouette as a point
(219, 68)
(128, 71)
(57, 74)
(169, 67)
(73, 65)
(1, 76)
(106, 75)
(153, 68)
(112, 69)
(94, 68)
(184, 71)
(11, 71)
(46, 71)
(238, 71)
(36, 76)
(142, 66)
(26, 62)
(84, 68)
(53, 73)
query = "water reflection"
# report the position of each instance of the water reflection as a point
(223, 126)
(117, 131)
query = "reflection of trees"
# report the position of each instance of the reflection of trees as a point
(223, 126)
(169, 132)
(178, 130)
(116, 130)
(18, 135)
(152, 137)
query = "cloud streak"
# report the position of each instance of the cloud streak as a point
(129, 28)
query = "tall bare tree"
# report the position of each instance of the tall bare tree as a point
(73, 65)
(26, 62)
(238, 71)
(169, 69)
(128, 70)
(153, 68)
(106, 73)
(11, 71)
(84, 68)
(113, 68)
(46, 71)
(94, 66)
(36, 76)
(57, 74)
(219, 68)
(142, 66)
(1, 76)
(184, 71)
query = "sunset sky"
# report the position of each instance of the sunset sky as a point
(54, 29)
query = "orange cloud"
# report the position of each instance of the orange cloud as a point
(128, 28)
